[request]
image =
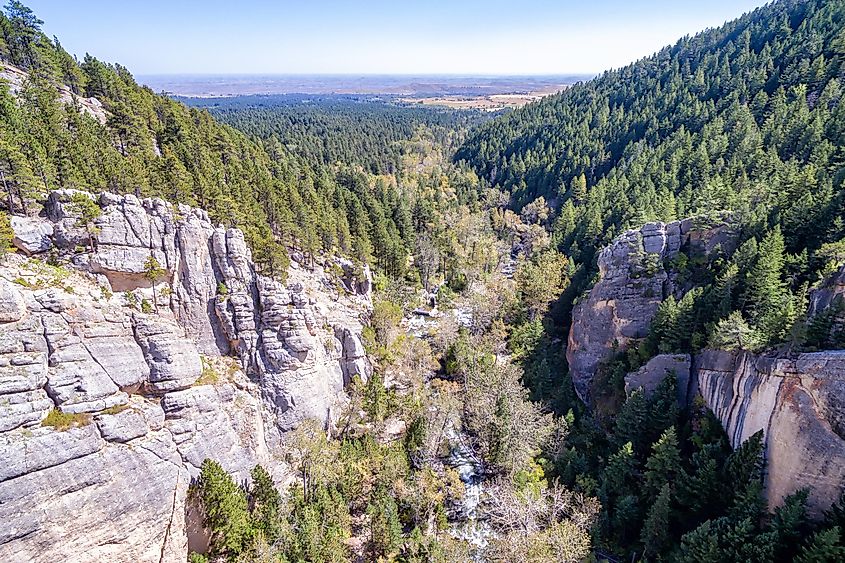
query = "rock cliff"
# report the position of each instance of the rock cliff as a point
(797, 400)
(112, 392)
(633, 280)
(799, 403)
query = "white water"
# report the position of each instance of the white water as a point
(470, 527)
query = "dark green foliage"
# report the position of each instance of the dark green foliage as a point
(385, 528)
(731, 118)
(746, 463)
(825, 546)
(656, 534)
(328, 129)
(6, 234)
(226, 510)
(790, 525)
(663, 464)
(265, 505)
(321, 526)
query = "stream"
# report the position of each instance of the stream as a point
(469, 524)
(476, 531)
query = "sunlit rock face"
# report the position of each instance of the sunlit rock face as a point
(633, 280)
(797, 400)
(147, 384)
(798, 403)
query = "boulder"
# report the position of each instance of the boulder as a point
(12, 305)
(651, 375)
(32, 235)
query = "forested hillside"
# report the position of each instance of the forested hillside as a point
(353, 130)
(467, 441)
(745, 117)
(745, 121)
(152, 145)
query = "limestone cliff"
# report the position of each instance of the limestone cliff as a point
(797, 400)
(633, 281)
(219, 362)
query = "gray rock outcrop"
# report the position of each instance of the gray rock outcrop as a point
(217, 361)
(797, 403)
(797, 400)
(633, 281)
(651, 375)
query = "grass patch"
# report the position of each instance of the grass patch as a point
(209, 375)
(28, 284)
(117, 409)
(65, 420)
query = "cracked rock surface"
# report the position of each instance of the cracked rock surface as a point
(797, 400)
(146, 383)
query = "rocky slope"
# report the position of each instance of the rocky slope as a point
(634, 278)
(797, 400)
(228, 362)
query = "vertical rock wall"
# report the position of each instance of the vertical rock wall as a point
(151, 394)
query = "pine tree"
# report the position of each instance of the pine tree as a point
(663, 411)
(631, 422)
(619, 472)
(745, 464)
(225, 507)
(790, 524)
(88, 211)
(767, 298)
(265, 505)
(385, 528)
(663, 464)
(655, 535)
(700, 546)
(6, 234)
(152, 273)
(825, 546)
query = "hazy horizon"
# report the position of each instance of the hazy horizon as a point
(377, 37)
(212, 85)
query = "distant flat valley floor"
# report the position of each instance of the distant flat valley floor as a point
(460, 92)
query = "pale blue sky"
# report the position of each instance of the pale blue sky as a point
(377, 36)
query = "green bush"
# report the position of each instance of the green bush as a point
(65, 420)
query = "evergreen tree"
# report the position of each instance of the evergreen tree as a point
(655, 534)
(265, 505)
(767, 298)
(6, 234)
(225, 508)
(825, 546)
(790, 525)
(663, 464)
(385, 528)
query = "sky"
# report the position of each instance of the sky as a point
(489, 37)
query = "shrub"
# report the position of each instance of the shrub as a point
(65, 420)
(209, 375)
(734, 333)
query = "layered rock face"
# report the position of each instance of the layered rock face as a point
(798, 401)
(633, 281)
(220, 365)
